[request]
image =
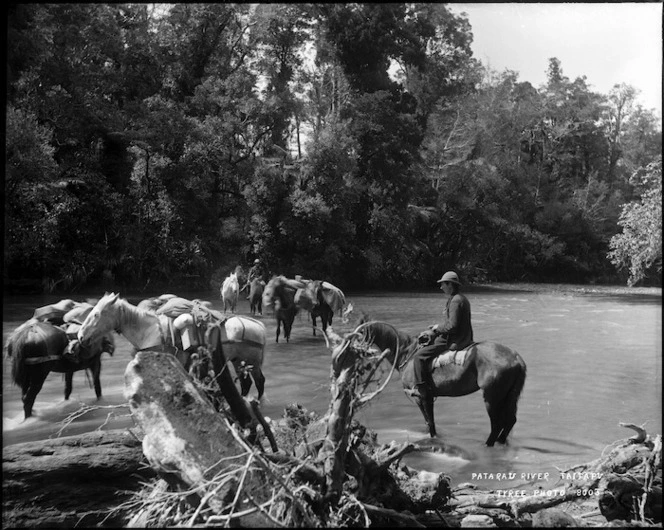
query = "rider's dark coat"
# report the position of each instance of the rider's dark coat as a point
(456, 323)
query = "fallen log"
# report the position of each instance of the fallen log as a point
(72, 481)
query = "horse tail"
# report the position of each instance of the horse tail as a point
(31, 340)
(514, 393)
(21, 345)
(512, 398)
(15, 350)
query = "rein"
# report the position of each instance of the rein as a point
(408, 358)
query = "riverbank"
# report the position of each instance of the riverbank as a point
(568, 288)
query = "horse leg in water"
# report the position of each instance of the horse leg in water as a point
(34, 382)
(493, 409)
(288, 325)
(95, 368)
(69, 380)
(508, 416)
(425, 403)
(279, 327)
(325, 319)
(313, 322)
(259, 380)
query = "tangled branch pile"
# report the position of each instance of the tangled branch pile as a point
(322, 472)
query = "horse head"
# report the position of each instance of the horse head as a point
(101, 320)
(308, 296)
(279, 288)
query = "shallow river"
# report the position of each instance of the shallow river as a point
(593, 361)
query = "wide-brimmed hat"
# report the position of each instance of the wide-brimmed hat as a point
(450, 276)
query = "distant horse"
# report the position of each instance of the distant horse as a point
(321, 299)
(242, 341)
(496, 369)
(256, 288)
(36, 349)
(280, 293)
(230, 291)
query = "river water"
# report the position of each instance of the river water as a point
(594, 360)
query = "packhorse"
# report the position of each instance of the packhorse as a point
(331, 299)
(38, 348)
(280, 294)
(497, 370)
(318, 298)
(242, 339)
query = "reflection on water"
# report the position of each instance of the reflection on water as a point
(593, 361)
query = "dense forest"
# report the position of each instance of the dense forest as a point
(153, 145)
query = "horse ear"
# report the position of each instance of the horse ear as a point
(115, 297)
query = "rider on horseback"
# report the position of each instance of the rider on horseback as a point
(454, 333)
(257, 271)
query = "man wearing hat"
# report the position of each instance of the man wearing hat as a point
(256, 272)
(455, 332)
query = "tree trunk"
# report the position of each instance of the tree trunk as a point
(185, 439)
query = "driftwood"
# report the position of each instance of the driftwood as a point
(72, 481)
(625, 484)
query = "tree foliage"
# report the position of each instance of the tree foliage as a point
(153, 144)
(638, 248)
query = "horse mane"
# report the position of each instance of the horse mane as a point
(133, 314)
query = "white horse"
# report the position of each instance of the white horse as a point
(230, 291)
(242, 339)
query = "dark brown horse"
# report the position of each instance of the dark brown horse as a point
(37, 348)
(280, 294)
(310, 298)
(256, 288)
(321, 299)
(496, 369)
